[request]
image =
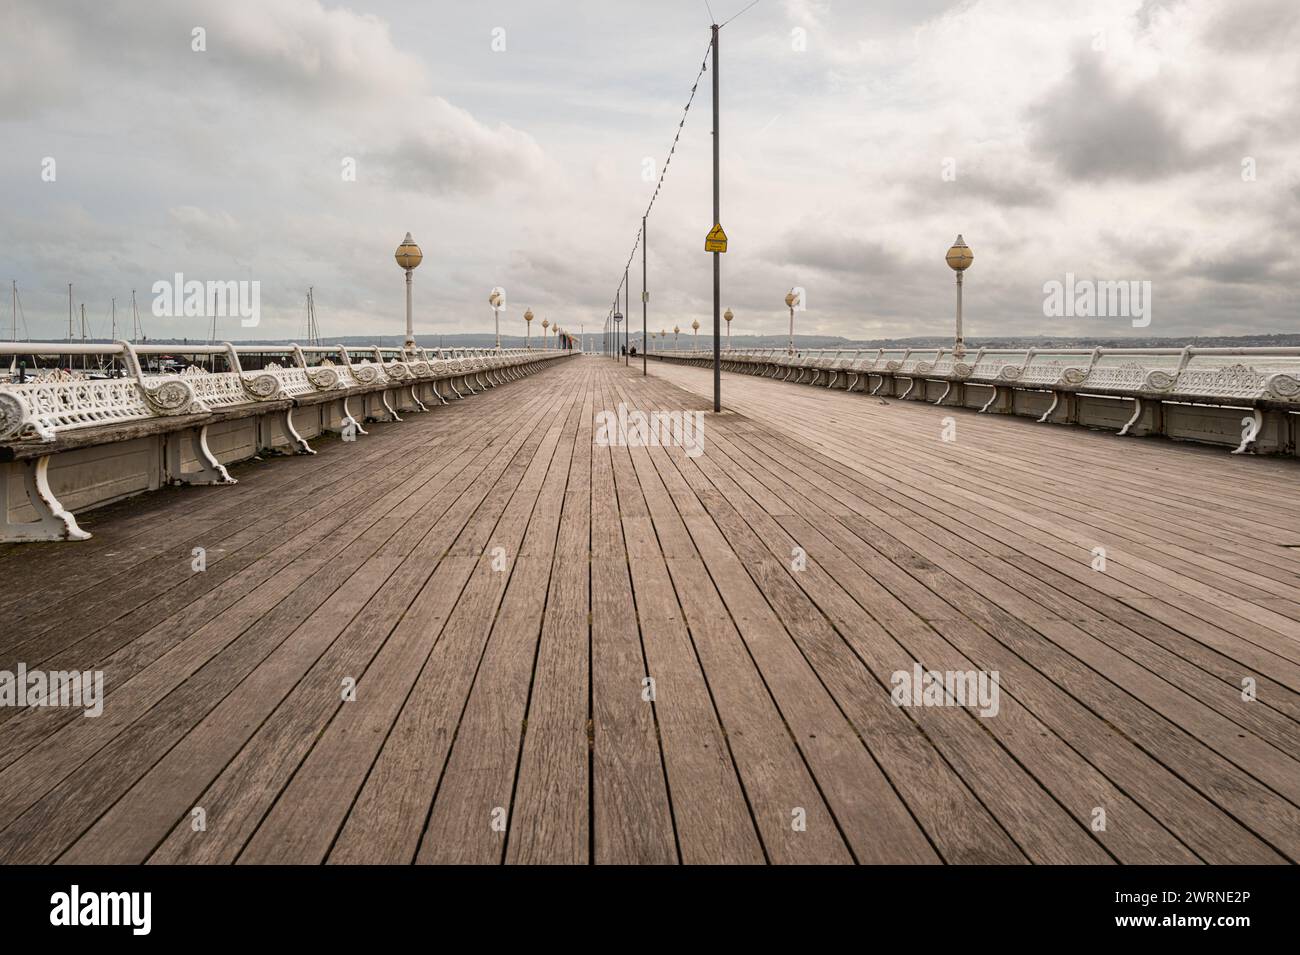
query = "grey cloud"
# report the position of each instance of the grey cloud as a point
(450, 152)
(1093, 130)
(814, 246)
(1255, 26)
(1256, 267)
(522, 168)
(973, 185)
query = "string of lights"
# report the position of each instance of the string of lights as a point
(663, 173)
(636, 244)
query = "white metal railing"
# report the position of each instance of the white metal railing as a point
(41, 404)
(1246, 375)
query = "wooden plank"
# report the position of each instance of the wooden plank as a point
(274, 609)
(796, 456)
(631, 817)
(138, 821)
(549, 821)
(341, 786)
(317, 535)
(870, 813)
(934, 582)
(470, 818)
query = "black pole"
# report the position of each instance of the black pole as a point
(627, 319)
(645, 297)
(717, 265)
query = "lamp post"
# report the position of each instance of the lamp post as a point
(676, 331)
(728, 316)
(528, 327)
(546, 323)
(408, 256)
(791, 300)
(695, 343)
(618, 324)
(495, 301)
(959, 258)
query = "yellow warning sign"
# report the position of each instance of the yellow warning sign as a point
(716, 240)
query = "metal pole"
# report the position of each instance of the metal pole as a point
(627, 330)
(959, 351)
(645, 297)
(410, 328)
(717, 263)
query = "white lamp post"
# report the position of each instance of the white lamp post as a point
(546, 344)
(528, 327)
(791, 300)
(959, 258)
(496, 300)
(728, 316)
(409, 256)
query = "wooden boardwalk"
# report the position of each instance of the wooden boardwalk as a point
(498, 588)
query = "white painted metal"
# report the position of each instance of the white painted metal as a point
(47, 406)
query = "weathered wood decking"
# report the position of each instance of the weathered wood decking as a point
(500, 714)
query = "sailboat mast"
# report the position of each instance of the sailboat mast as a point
(313, 332)
(69, 313)
(13, 363)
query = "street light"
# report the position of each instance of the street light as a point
(528, 327)
(618, 324)
(791, 300)
(695, 343)
(676, 332)
(959, 258)
(728, 316)
(408, 256)
(495, 301)
(546, 323)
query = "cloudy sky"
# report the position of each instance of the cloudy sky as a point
(1114, 139)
